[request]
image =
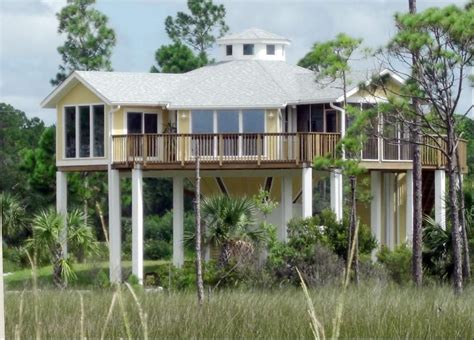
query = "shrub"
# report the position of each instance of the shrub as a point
(396, 262)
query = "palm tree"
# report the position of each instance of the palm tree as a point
(47, 232)
(231, 225)
(13, 216)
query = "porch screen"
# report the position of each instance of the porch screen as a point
(70, 131)
(253, 122)
(202, 123)
(228, 124)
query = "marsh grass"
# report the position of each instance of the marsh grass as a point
(370, 311)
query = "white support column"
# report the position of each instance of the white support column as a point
(388, 191)
(286, 206)
(61, 205)
(336, 194)
(115, 227)
(409, 209)
(440, 191)
(307, 192)
(178, 212)
(137, 223)
(376, 207)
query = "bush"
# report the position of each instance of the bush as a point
(396, 262)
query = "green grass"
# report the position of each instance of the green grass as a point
(371, 311)
(86, 272)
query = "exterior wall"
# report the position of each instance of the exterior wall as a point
(78, 95)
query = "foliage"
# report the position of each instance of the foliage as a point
(47, 239)
(437, 250)
(17, 133)
(309, 241)
(397, 262)
(177, 58)
(330, 60)
(13, 217)
(39, 164)
(89, 41)
(200, 28)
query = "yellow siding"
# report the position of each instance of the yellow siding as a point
(243, 186)
(119, 123)
(209, 186)
(380, 93)
(184, 144)
(78, 95)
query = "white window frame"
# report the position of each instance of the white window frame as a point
(143, 113)
(240, 127)
(91, 128)
(243, 49)
(274, 49)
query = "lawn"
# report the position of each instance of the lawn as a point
(86, 274)
(371, 311)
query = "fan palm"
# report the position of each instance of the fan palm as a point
(230, 223)
(47, 227)
(437, 250)
(13, 215)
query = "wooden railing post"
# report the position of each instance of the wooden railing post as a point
(259, 149)
(220, 149)
(297, 148)
(145, 148)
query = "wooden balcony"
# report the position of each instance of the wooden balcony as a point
(239, 150)
(263, 150)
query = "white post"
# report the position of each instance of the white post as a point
(376, 207)
(336, 194)
(137, 223)
(307, 192)
(409, 209)
(61, 205)
(440, 190)
(115, 227)
(389, 184)
(286, 206)
(178, 212)
(2, 293)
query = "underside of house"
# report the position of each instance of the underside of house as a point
(255, 122)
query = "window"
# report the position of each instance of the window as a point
(317, 118)
(142, 122)
(253, 121)
(228, 49)
(84, 131)
(228, 122)
(70, 129)
(202, 121)
(270, 49)
(248, 49)
(99, 130)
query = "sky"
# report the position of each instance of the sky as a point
(29, 38)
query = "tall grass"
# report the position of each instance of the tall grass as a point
(370, 311)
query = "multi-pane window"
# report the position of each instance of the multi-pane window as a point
(84, 131)
(142, 122)
(248, 49)
(270, 49)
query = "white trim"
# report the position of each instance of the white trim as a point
(157, 111)
(81, 161)
(77, 132)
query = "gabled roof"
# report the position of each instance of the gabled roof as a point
(232, 84)
(252, 34)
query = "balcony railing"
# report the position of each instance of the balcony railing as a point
(262, 148)
(222, 148)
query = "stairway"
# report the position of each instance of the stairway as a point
(427, 191)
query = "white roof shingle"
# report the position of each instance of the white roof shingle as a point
(238, 83)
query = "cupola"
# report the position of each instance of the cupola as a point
(252, 44)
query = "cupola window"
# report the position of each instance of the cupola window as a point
(248, 49)
(228, 50)
(270, 49)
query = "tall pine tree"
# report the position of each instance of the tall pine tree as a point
(89, 41)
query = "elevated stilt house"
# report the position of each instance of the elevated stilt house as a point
(256, 121)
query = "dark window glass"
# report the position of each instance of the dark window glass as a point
(303, 118)
(228, 49)
(228, 121)
(151, 123)
(84, 131)
(202, 121)
(134, 122)
(70, 128)
(317, 118)
(270, 49)
(253, 121)
(98, 131)
(248, 49)
(331, 121)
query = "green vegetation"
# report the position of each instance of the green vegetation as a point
(371, 311)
